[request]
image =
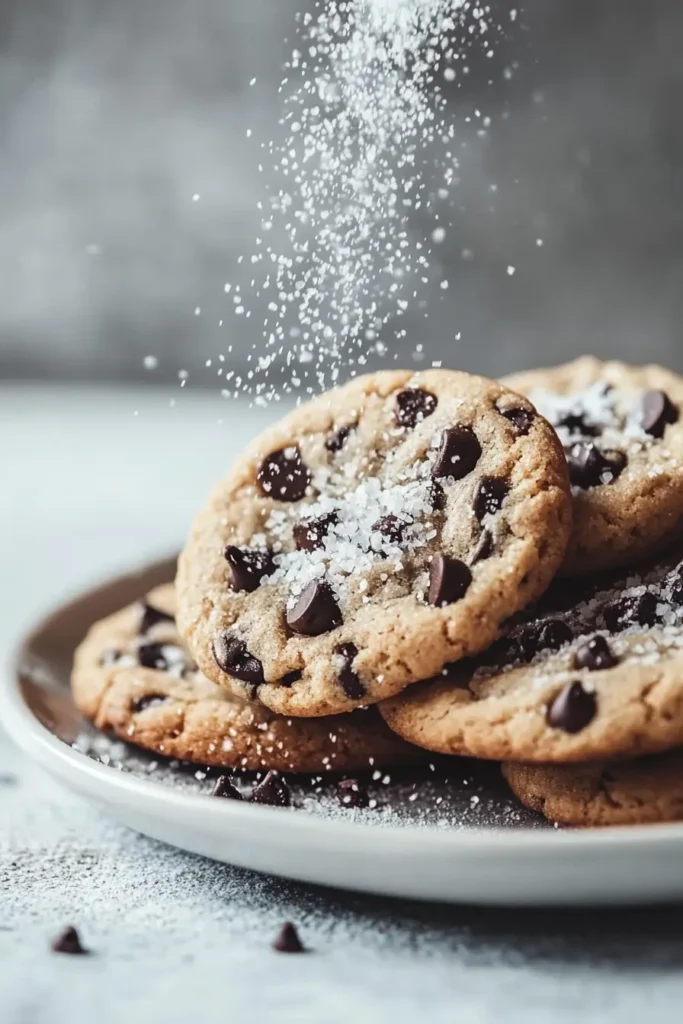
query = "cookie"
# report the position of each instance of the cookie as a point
(594, 671)
(623, 436)
(642, 791)
(133, 676)
(374, 534)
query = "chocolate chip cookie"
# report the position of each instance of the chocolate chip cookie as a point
(378, 532)
(623, 437)
(641, 791)
(596, 672)
(133, 676)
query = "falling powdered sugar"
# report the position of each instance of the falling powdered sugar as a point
(364, 119)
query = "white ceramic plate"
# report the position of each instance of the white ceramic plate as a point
(482, 861)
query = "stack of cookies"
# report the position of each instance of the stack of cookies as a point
(431, 562)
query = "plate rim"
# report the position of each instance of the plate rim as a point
(36, 740)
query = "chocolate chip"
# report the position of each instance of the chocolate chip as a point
(484, 548)
(656, 411)
(576, 423)
(589, 467)
(153, 656)
(459, 453)
(674, 582)
(288, 940)
(449, 579)
(273, 791)
(502, 653)
(283, 475)
(616, 464)
(548, 635)
(337, 439)
(248, 566)
(309, 534)
(413, 406)
(572, 709)
(520, 418)
(224, 788)
(352, 794)
(436, 496)
(640, 610)
(391, 527)
(290, 678)
(151, 700)
(595, 654)
(151, 616)
(489, 496)
(350, 681)
(233, 657)
(69, 941)
(316, 610)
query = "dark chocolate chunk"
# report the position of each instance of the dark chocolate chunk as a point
(288, 940)
(459, 453)
(436, 496)
(316, 610)
(290, 678)
(484, 548)
(504, 652)
(152, 655)
(391, 527)
(595, 654)
(640, 610)
(589, 467)
(248, 566)
(310, 534)
(572, 709)
(283, 475)
(520, 418)
(273, 791)
(151, 616)
(674, 582)
(225, 788)
(350, 681)
(151, 700)
(413, 406)
(548, 635)
(489, 496)
(352, 794)
(233, 657)
(449, 579)
(337, 439)
(69, 941)
(656, 411)
(576, 423)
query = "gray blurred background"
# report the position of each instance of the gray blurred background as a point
(113, 115)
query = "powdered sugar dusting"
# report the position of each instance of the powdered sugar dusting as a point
(353, 544)
(366, 144)
(609, 416)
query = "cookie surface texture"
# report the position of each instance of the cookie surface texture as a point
(594, 672)
(134, 677)
(622, 432)
(378, 532)
(642, 791)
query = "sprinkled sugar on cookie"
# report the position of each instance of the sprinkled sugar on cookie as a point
(594, 671)
(622, 433)
(375, 534)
